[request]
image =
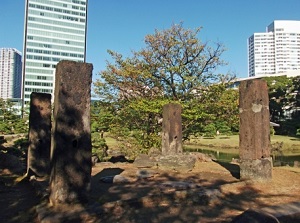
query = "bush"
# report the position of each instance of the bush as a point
(99, 146)
(209, 130)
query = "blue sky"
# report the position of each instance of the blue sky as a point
(121, 25)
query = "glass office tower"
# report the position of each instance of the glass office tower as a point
(54, 30)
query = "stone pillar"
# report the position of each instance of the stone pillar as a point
(171, 129)
(71, 148)
(255, 146)
(38, 157)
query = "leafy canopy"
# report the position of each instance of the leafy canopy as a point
(174, 66)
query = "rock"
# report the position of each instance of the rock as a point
(144, 161)
(277, 163)
(154, 152)
(116, 159)
(115, 152)
(259, 169)
(115, 179)
(107, 179)
(120, 179)
(2, 140)
(143, 174)
(177, 162)
(11, 162)
(252, 216)
(202, 157)
(95, 159)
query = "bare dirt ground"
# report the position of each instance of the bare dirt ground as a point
(211, 192)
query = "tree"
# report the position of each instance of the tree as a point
(284, 94)
(102, 114)
(10, 120)
(174, 66)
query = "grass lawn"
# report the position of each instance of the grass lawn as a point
(230, 144)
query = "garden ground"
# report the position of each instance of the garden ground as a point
(152, 200)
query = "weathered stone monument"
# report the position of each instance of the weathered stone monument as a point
(71, 148)
(255, 146)
(38, 158)
(172, 157)
(171, 129)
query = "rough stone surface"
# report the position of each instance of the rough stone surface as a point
(202, 157)
(71, 148)
(11, 162)
(177, 162)
(38, 158)
(143, 160)
(259, 169)
(171, 129)
(154, 152)
(254, 120)
(141, 174)
(2, 140)
(255, 145)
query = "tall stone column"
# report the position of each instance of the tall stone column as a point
(255, 146)
(172, 129)
(71, 141)
(38, 158)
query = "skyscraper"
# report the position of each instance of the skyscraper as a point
(275, 52)
(10, 73)
(54, 30)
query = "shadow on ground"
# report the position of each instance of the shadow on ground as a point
(212, 192)
(234, 169)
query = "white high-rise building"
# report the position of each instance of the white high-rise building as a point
(10, 73)
(54, 30)
(275, 52)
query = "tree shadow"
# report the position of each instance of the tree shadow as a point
(198, 198)
(234, 169)
(17, 200)
(155, 199)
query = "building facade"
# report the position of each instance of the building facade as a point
(10, 73)
(277, 51)
(55, 30)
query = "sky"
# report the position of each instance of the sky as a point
(121, 25)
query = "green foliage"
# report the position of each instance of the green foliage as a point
(223, 127)
(102, 114)
(209, 130)
(10, 120)
(99, 146)
(272, 131)
(284, 94)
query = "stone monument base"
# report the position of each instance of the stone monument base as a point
(258, 169)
